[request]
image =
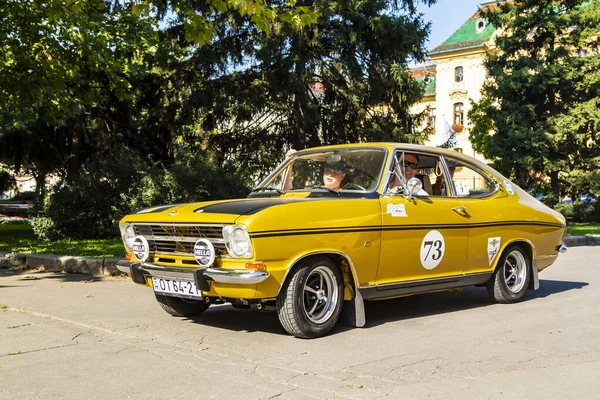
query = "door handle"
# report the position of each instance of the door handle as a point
(462, 211)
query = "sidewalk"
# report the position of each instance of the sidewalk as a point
(107, 266)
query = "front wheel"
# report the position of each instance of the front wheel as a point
(179, 307)
(310, 303)
(510, 281)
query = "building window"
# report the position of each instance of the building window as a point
(459, 115)
(458, 74)
(431, 117)
(481, 25)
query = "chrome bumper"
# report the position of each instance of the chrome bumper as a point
(236, 276)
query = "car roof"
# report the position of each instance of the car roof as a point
(391, 146)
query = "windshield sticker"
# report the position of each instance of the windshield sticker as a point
(397, 210)
(432, 250)
(493, 248)
(509, 187)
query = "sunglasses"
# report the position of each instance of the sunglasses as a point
(410, 164)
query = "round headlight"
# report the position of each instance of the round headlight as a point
(129, 236)
(237, 241)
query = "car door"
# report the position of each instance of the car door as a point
(424, 237)
(488, 214)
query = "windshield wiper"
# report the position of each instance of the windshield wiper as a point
(265, 188)
(326, 188)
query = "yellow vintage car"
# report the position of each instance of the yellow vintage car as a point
(335, 226)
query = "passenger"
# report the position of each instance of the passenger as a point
(410, 165)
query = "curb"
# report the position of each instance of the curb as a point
(67, 264)
(108, 266)
(573, 241)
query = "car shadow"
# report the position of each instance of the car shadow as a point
(377, 312)
(225, 316)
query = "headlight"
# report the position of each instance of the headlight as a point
(237, 241)
(128, 236)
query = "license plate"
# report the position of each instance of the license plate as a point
(176, 287)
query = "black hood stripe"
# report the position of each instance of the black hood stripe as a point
(246, 207)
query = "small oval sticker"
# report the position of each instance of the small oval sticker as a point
(141, 250)
(509, 187)
(204, 252)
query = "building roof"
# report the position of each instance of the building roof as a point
(468, 35)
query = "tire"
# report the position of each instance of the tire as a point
(511, 278)
(179, 307)
(310, 303)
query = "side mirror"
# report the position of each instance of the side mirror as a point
(414, 186)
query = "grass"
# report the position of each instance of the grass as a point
(16, 239)
(583, 229)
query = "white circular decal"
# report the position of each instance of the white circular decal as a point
(432, 249)
(141, 250)
(204, 252)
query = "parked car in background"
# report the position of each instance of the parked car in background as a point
(335, 226)
(587, 198)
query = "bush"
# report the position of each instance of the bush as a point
(551, 200)
(579, 212)
(106, 189)
(566, 209)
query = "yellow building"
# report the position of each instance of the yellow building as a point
(454, 76)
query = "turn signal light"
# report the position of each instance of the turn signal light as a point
(128, 256)
(257, 266)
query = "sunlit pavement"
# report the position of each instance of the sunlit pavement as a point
(80, 337)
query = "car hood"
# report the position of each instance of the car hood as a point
(223, 211)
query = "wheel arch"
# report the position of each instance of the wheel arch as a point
(528, 246)
(342, 260)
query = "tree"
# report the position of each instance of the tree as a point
(539, 115)
(341, 77)
(78, 78)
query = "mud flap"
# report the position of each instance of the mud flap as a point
(353, 312)
(535, 280)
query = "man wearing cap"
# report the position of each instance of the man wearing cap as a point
(333, 176)
(409, 165)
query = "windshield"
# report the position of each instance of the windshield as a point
(352, 169)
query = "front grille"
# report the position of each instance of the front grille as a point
(179, 239)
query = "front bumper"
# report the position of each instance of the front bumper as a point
(202, 276)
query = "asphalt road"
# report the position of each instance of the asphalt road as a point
(77, 337)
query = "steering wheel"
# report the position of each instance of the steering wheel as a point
(353, 186)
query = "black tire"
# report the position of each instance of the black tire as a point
(179, 307)
(511, 278)
(310, 303)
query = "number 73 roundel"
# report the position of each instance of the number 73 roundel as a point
(432, 249)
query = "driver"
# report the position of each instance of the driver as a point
(409, 168)
(333, 175)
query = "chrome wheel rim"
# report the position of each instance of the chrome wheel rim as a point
(320, 295)
(515, 271)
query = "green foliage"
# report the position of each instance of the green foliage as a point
(342, 79)
(106, 189)
(551, 200)
(579, 212)
(542, 104)
(82, 248)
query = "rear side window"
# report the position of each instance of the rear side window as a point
(468, 181)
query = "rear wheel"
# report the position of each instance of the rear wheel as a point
(510, 281)
(179, 307)
(310, 303)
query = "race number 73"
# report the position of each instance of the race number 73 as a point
(432, 249)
